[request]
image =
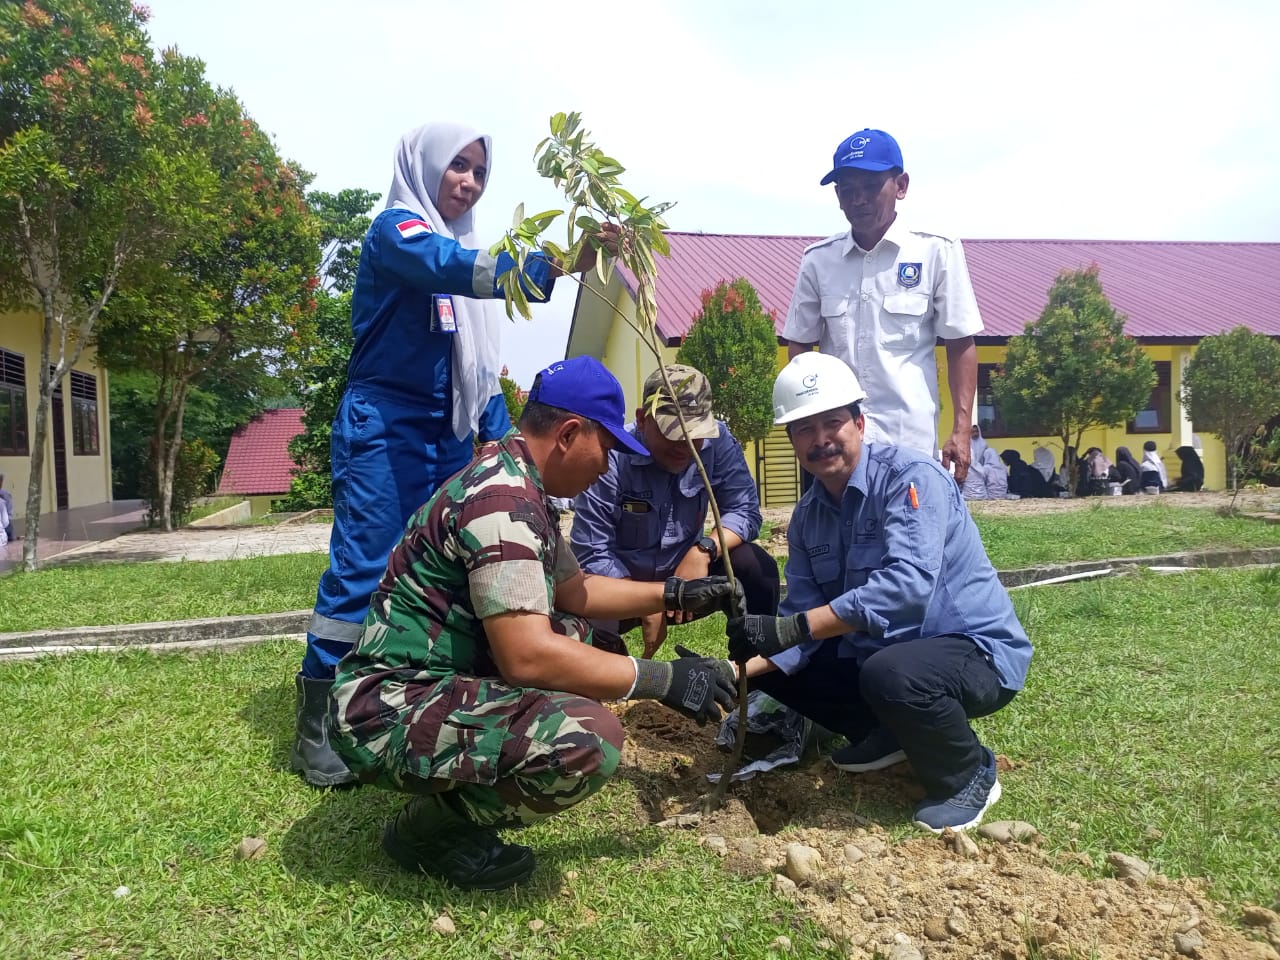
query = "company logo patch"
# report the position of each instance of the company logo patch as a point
(909, 274)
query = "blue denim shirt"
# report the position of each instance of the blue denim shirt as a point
(896, 571)
(639, 520)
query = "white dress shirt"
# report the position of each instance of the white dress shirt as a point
(881, 311)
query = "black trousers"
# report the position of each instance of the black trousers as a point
(752, 566)
(922, 691)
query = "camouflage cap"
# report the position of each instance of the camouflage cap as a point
(695, 403)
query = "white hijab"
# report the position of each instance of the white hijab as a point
(1042, 460)
(421, 158)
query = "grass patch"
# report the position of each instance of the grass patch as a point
(1148, 724)
(150, 769)
(208, 507)
(89, 594)
(1101, 532)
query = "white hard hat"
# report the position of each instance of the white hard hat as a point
(811, 383)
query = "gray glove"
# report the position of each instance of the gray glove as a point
(697, 687)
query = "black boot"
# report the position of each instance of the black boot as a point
(312, 756)
(429, 836)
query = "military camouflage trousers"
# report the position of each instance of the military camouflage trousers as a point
(511, 755)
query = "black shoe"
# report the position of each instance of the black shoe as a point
(312, 756)
(428, 836)
(877, 750)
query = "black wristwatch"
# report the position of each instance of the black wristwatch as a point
(709, 546)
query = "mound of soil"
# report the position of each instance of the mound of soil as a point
(927, 897)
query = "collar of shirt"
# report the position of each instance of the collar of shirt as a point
(514, 445)
(690, 482)
(896, 235)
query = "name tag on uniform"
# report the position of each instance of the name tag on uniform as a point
(442, 319)
(635, 506)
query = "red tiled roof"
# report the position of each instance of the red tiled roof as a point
(258, 460)
(1167, 290)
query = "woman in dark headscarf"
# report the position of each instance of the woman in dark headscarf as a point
(1192, 478)
(1130, 470)
(1024, 479)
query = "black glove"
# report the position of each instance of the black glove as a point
(695, 686)
(703, 596)
(763, 635)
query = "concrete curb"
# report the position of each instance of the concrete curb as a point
(167, 633)
(1191, 559)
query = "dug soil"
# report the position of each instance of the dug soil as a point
(926, 896)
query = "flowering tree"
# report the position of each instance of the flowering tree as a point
(514, 395)
(239, 290)
(733, 342)
(92, 194)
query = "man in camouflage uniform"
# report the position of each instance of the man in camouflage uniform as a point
(475, 685)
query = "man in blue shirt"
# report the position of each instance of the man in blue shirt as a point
(895, 631)
(644, 519)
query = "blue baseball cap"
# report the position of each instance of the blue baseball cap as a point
(583, 385)
(865, 150)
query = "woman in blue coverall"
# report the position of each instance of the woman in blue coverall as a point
(422, 381)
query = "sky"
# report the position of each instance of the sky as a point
(1074, 119)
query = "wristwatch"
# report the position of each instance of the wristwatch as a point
(709, 546)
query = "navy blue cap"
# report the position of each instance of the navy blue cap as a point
(583, 385)
(865, 150)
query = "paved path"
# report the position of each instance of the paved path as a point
(229, 543)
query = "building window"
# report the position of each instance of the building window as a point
(988, 413)
(1155, 418)
(84, 414)
(13, 404)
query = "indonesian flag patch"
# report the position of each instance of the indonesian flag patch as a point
(411, 228)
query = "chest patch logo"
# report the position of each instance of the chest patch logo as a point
(909, 274)
(820, 549)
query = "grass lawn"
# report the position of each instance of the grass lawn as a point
(1148, 726)
(1100, 532)
(85, 595)
(91, 594)
(146, 771)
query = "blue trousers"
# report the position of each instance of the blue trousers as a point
(389, 457)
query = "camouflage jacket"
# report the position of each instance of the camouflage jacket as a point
(486, 543)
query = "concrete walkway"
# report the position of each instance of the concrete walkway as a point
(66, 530)
(189, 543)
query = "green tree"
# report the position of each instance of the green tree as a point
(236, 295)
(514, 394)
(319, 378)
(733, 342)
(1074, 368)
(1231, 388)
(214, 410)
(93, 193)
(318, 371)
(344, 220)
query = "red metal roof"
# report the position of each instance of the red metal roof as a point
(258, 460)
(1166, 289)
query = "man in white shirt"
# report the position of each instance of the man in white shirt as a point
(880, 294)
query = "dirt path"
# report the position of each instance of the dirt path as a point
(927, 896)
(1246, 502)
